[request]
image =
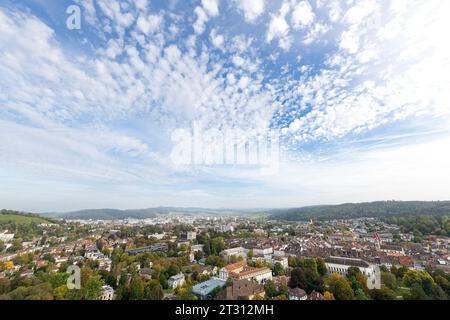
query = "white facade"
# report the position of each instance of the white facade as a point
(107, 293)
(369, 270)
(176, 281)
(191, 235)
(6, 237)
(262, 251)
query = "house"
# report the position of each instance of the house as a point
(153, 248)
(340, 265)
(208, 270)
(315, 296)
(237, 252)
(176, 281)
(205, 290)
(260, 275)
(146, 273)
(226, 271)
(242, 289)
(241, 271)
(262, 251)
(191, 235)
(197, 247)
(297, 294)
(107, 293)
(6, 237)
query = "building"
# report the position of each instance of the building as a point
(297, 294)
(197, 247)
(107, 293)
(240, 271)
(153, 248)
(6, 237)
(205, 290)
(237, 252)
(191, 235)
(242, 289)
(340, 265)
(226, 271)
(262, 251)
(176, 281)
(260, 275)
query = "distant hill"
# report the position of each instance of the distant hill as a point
(359, 210)
(7, 216)
(113, 214)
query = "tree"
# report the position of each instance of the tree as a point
(328, 295)
(137, 288)
(154, 291)
(339, 287)
(389, 280)
(443, 283)
(306, 279)
(173, 269)
(321, 267)
(217, 245)
(278, 269)
(384, 293)
(271, 289)
(60, 292)
(93, 288)
(2, 246)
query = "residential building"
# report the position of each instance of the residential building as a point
(176, 281)
(107, 293)
(242, 289)
(204, 290)
(297, 294)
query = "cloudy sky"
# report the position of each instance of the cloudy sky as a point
(359, 92)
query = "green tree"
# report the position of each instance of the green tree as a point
(321, 267)
(93, 288)
(389, 280)
(339, 287)
(306, 279)
(277, 269)
(154, 291)
(137, 289)
(271, 289)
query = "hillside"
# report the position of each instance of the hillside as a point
(358, 210)
(7, 216)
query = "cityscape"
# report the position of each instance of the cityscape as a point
(206, 256)
(191, 152)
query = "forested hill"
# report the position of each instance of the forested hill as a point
(366, 209)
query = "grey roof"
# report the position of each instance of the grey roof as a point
(352, 262)
(204, 288)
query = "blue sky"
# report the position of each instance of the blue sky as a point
(358, 91)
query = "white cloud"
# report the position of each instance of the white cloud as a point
(211, 7)
(149, 24)
(251, 9)
(278, 28)
(303, 15)
(216, 39)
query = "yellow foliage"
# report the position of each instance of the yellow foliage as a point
(328, 295)
(9, 265)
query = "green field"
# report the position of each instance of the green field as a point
(19, 219)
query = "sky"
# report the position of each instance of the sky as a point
(111, 112)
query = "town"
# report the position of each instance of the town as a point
(204, 257)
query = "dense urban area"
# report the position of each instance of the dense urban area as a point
(237, 257)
